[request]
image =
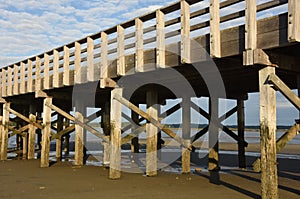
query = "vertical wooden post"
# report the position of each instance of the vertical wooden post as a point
(215, 34)
(106, 130)
(79, 134)
(38, 79)
(269, 178)
(60, 126)
(67, 138)
(55, 69)
(185, 32)
(91, 76)
(46, 133)
(186, 134)
(29, 76)
(66, 74)
(9, 81)
(5, 123)
(4, 83)
(121, 51)
(139, 45)
(104, 59)
(135, 140)
(151, 131)
(46, 71)
(24, 146)
(31, 132)
(77, 62)
(115, 141)
(250, 32)
(160, 39)
(22, 78)
(294, 21)
(213, 162)
(16, 80)
(241, 133)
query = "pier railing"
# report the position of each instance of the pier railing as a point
(130, 45)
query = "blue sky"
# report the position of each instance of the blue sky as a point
(30, 27)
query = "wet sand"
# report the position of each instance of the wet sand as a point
(24, 179)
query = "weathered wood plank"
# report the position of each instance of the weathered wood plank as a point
(31, 132)
(251, 25)
(46, 133)
(4, 137)
(215, 34)
(139, 45)
(120, 51)
(294, 21)
(185, 32)
(29, 76)
(66, 72)
(55, 69)
(79, 134)
(186, 135)
(77, 73)
(151, 132)
(91, 70)
(46, 84)
(16, 80)
(9, 81)
(115, 143)
(38, 79)
(160, 39)
(269, 178)
(3, 83)
(104, 59)
(22, 78)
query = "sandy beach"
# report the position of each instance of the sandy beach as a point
(25, 179)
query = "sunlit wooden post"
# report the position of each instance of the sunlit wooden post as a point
(31, 132)
(215, 34)
(4, 138)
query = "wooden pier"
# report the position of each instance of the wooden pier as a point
(134, 63)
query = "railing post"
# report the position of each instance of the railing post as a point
(38, 83)
(16, 80)
(185, 32)
(22, 78)
(104, 59)
(66, 74)
(139, 61)
(55, 69)
(121, 51)
(9, 81)
(46, 71)
(29, 76)
(160, 39)
(77, 62)
(3, 83)
(215, 34)
(90, 60)
(294, 21)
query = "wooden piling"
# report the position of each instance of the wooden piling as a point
(241, 133)
(151, 131)
(213, 162)
(59, 127)
(31, 132)
(115, 142)
(135, 140)
(79, 134)
(186, 134)
(5, 123)
(46, 133)
(269, 178)
(106, 131)
(67, 138)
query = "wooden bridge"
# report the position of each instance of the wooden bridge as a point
(252, 51)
